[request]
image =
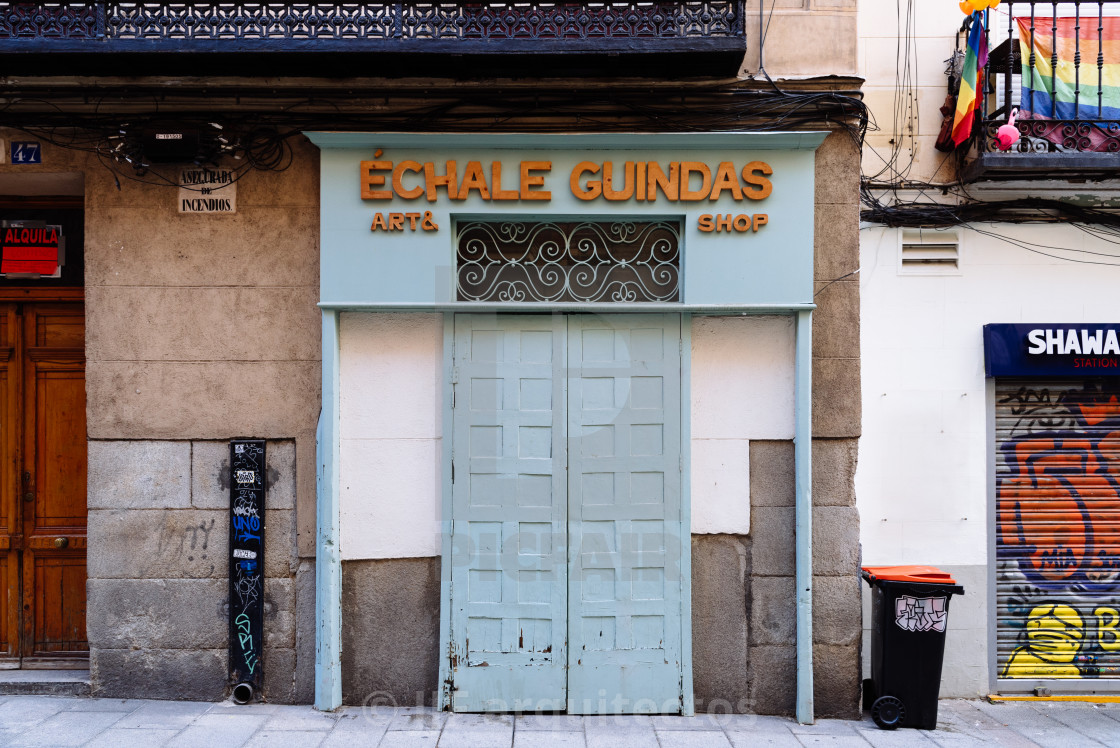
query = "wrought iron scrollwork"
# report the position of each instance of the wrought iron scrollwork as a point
(610, 261)
(1060, 136)
(48, 20)
(531, 20)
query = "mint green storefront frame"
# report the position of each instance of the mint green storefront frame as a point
(784, 286)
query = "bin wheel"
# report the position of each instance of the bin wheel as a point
(888, 712)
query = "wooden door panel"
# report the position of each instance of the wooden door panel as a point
(11, 473)
(60, 610)
(60, 422)
(58, 326)
(53, 521)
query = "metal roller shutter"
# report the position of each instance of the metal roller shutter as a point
(1058, 531)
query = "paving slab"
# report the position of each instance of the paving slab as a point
(226, 730)
(353, 738)
(157, 715)
(287, 739)
(418, 719)
(764, 740)
(548, 739)
(135, 738)
(1026, 720)
(410, 739)
(106, 705)
(900, 738)
(707, 722)
(300, 719)
(21, 712)
(550, 722)
(66, 729)
(1087, 720)
(851, 740)
(692, 739)
(622, 738)
(476, 738)
(616, 722)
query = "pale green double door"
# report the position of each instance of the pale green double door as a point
(567, 533)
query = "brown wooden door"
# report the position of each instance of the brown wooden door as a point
(43, 504)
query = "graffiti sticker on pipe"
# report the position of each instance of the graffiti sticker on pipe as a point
(246, 565)
(921, 613)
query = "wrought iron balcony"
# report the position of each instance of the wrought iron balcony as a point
(689, 32)
(1066, 92)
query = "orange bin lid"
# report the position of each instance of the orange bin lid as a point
(927, 574)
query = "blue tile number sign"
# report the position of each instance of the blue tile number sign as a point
(26, 152)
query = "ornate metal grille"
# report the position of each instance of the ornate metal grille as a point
(1078, 113)
(49, 20)
(529, 21)
(611, 261)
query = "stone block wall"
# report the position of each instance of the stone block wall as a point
(158, 586)
(199, 329)
(743, 585)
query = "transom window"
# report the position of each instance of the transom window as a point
(588, 261)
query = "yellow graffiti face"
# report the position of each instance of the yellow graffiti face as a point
(1054, 632)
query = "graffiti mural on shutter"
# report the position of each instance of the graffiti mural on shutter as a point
(1058, 528)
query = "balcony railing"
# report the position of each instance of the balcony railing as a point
(1057, 64)
(413, 27)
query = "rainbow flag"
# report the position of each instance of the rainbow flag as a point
(1049, 93)
(975, 58)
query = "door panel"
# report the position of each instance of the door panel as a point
(54, 453)
(624, 510)
(566, 491)
(11, 481)
(43, 490)
(509, 516)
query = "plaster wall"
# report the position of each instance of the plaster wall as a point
(391, 389)
(922, 479)
(801, 38)
(882, 56)
(742, 389)
(391, 419)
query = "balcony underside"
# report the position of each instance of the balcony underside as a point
(315, 59)
(415, 38)
(1013, 166)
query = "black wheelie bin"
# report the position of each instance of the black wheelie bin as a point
(909, 616)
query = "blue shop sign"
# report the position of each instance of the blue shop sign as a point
(1052, 350)
(700, 221)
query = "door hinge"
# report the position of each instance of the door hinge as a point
(454, 375)
(680, 463)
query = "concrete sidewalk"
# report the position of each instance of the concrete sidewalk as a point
(75, 721)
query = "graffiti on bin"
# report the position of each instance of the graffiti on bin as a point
(920, 613)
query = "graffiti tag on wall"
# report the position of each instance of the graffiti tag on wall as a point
(1058, 543)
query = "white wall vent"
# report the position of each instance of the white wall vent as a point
(929, 252)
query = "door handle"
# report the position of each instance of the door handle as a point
(29, 496)
(61, 542)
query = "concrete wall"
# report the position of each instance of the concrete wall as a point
(923, 476)
(199, 328)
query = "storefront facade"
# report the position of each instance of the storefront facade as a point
(494, 479)
(541, 329)
(1056, 415)
(989, 446)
